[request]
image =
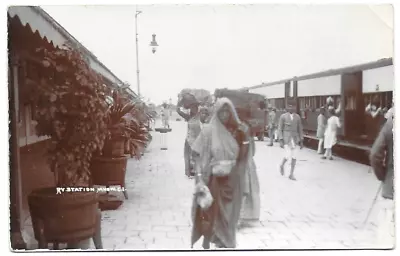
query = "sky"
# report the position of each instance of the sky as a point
(227, 46)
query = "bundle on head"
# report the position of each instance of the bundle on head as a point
(190, 97)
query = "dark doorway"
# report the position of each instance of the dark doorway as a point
(354, 125)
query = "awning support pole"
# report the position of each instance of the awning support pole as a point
(17, 241)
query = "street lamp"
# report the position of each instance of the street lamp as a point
(154, 44)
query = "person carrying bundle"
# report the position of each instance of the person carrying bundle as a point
(188, 100)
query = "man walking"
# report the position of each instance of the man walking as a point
(381, 159)
(291, 136)
(271, 125)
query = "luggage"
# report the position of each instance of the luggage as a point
(188, 97)
(250, 107)
(242, 100)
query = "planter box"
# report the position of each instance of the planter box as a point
(63, 218)
(108, 171)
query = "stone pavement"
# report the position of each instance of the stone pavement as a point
(323, 209)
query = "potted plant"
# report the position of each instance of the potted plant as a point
(71, 109)
(124, 127)
(139, 136)
(108, 166)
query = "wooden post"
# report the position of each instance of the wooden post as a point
(17, 241)
(342, 131)
(287, 94)
(296, 98)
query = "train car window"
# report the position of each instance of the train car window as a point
(350, 102)
(366, 99)
(301, 103)
(384, 100)
(336, 100)
(307, 103)
(313, 103)
(388, 99)
(280, 103)
(323, 100)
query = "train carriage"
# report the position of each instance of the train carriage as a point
(351, 88)
(275, 93)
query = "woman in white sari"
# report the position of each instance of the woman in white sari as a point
(221, 152)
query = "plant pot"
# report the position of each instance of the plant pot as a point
(108, 171)
(109, 202)
(62, 218)
(115, 146)
(163, 130)
(127, 146)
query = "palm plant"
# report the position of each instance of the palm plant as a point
(117, 128)
(140, 137)
(126, 123)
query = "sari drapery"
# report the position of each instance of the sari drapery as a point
(251, 201)
(215, 143)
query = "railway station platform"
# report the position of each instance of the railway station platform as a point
(323, 209)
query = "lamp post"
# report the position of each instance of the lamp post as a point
(153, 44)
(137, 53)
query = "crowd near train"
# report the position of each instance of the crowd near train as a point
(361, 95)
(353, 105)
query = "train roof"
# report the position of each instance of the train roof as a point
(225, 91)
(331, 72)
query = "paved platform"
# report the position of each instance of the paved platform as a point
(323, 209)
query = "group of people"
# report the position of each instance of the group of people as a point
(328, 124)
(288, 130)
(374, 109)
(219, 150)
